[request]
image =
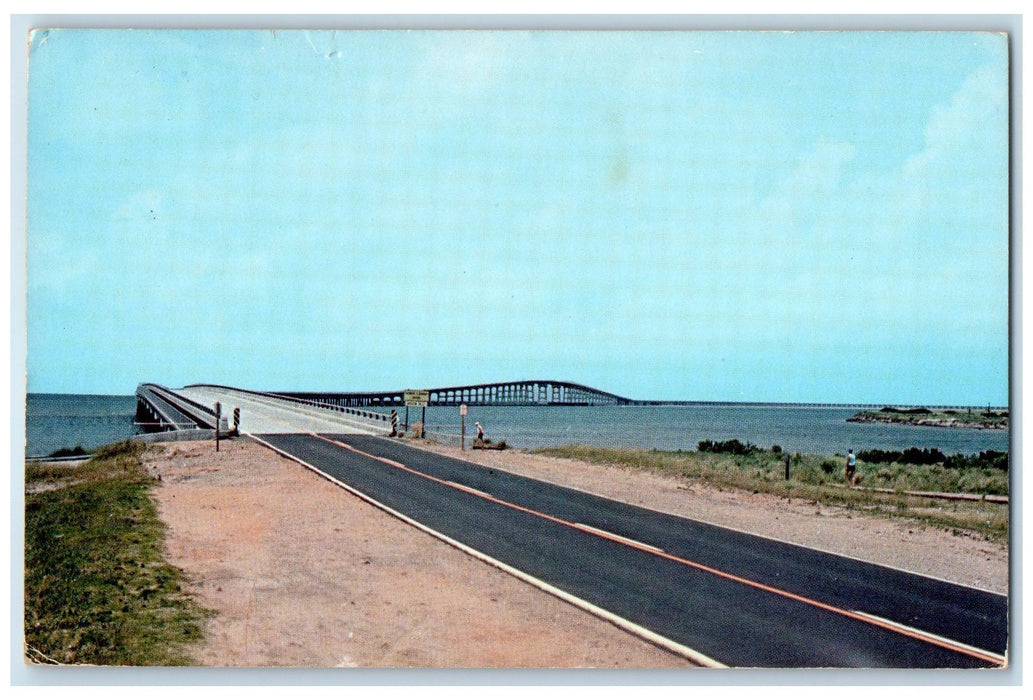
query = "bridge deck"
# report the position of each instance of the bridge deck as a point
(266, 414)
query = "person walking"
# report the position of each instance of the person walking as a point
(851, 467)
(480, 432)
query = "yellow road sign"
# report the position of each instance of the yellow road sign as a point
(417, 397)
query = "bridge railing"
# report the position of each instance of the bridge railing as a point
(204, 414)
(158, 399)
(348, 410)
(207, 410)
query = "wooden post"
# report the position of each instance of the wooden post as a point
(218, 418)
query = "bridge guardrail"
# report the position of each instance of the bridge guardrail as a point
(170, 414)
(316, 411)
(369, 415)
(207, 410)
(200, 414)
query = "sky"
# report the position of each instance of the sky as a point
(742, 216)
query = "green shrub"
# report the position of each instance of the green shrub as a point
(990, 459)
(906, 411)
(727, 447)
(76, 451)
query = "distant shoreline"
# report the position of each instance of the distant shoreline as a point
(975, 420)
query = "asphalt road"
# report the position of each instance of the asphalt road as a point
(742, 600)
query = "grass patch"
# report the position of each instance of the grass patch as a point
(97, 587)
(821, 479)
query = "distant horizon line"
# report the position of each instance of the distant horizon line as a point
(641, 403)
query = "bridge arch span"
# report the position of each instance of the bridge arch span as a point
(529, 392)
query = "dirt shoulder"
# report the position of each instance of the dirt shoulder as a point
(303, 574)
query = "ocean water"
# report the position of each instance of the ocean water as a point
(55, 421)
(795, 428)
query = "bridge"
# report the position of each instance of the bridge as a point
(192, 407)
(532, 392)
(160, 408)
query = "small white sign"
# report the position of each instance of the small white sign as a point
(462, 409)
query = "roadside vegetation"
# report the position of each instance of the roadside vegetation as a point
(76, 451)
(97, 587)
(821, 479)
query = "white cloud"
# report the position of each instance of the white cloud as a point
(816, 174)
(975, 119)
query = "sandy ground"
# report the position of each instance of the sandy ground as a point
(303, 574)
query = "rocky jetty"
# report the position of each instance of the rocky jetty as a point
(936, 418)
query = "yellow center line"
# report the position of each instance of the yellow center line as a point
(862, 617)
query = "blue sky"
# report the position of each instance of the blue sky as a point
(683, 215)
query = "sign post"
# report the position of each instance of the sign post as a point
(419, 397)
(462, 427)
(218, 418)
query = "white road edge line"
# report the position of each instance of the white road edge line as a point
(464, 487)
(626, 540)
(930, 635)
(626, 625)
